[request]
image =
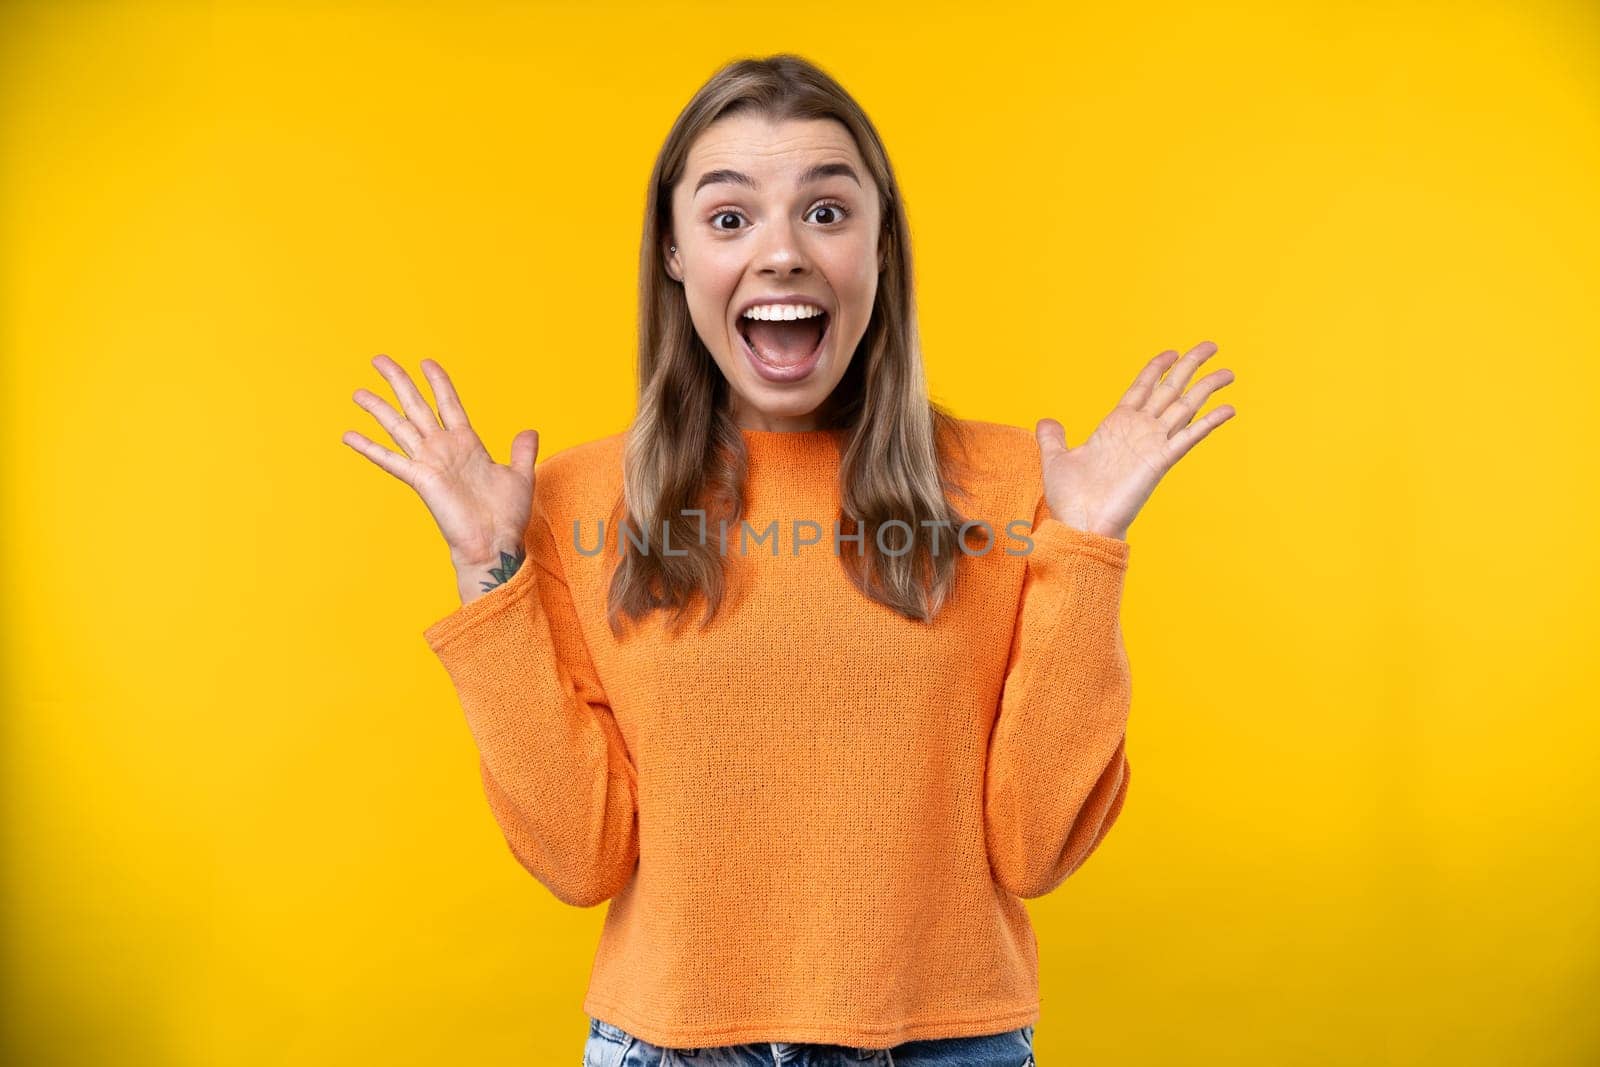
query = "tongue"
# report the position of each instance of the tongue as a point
(784, 343)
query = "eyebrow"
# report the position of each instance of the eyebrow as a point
(812, 174)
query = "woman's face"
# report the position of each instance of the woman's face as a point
(777, 213)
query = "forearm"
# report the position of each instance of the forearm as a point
(556, 770)
(1057, 766)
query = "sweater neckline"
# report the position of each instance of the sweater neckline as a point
(823, 446)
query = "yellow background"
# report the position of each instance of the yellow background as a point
(243, 821)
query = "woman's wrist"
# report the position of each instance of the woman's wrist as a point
(1087, 525)
(474, 578)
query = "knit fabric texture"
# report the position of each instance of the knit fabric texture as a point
(816, 819)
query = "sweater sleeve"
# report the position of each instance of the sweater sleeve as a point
(1057, 767)
(554, 766)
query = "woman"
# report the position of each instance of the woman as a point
(816, 813)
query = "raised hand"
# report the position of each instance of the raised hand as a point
(482, 507)
(1100, 485)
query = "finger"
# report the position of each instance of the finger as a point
(524, 450)
(404, 434)
(411, 402)
(393, 462)
(1179, 443)
(1177, 378)
(1051, 435)
(1139, 391)
(1178, 414)
(451, 413)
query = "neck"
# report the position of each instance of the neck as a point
(748, 418)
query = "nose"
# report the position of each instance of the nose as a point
(780, 252)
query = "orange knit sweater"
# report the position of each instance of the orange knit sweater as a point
(814, 821)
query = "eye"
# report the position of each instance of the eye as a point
(840, 212)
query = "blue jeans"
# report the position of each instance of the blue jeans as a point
(612, 1046)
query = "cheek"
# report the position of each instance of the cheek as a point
(709, 286)
(855, 272)
(858, 294)
(707, 297)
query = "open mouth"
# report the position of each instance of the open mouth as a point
(784, 343)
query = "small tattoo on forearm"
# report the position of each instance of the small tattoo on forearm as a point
(508, 566)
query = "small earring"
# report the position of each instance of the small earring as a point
(674, 248)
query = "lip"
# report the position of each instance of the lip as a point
(791, 373)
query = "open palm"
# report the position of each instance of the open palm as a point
(482, 507)
(1100, 485)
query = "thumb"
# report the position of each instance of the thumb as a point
(1052, 437)
(524, 451)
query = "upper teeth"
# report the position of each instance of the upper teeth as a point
(782, 311)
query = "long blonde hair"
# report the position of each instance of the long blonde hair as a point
(684, 449)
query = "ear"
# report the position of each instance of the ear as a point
(670, 258)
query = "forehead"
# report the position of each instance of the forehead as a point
(758, 144)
